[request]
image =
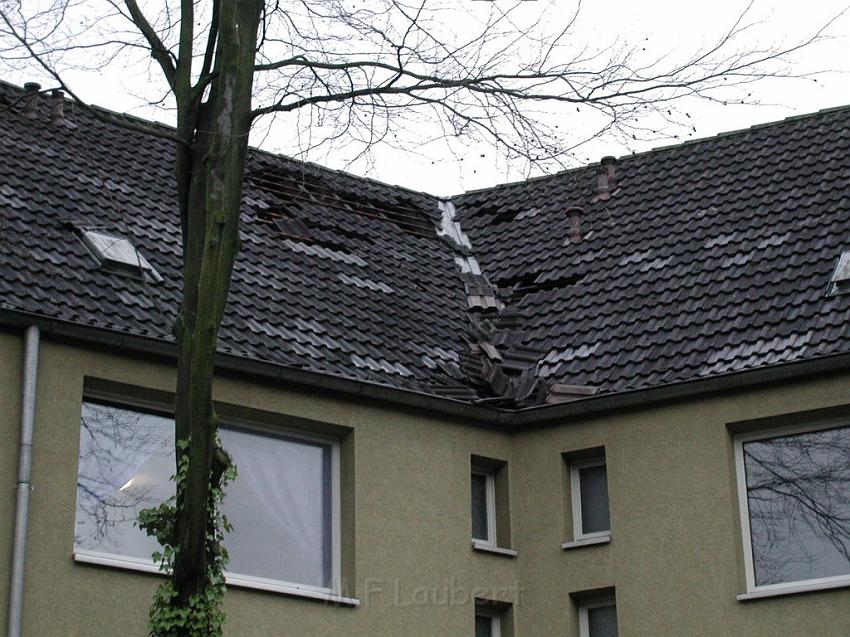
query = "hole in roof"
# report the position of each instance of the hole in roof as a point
(527, 283)
(526, 279)
(290, 227)
(504, 216)
(500, 215)
(286, 224)
(840, 281)
(405, 213)
(118, 253)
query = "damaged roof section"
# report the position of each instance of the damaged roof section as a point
(292, 188)
(714, 257)
(709, 258)
(336, 275)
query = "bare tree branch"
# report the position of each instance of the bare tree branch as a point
(157, 49)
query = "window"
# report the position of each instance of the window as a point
(597, 617)
(487, 624)
(118, 253)
(794, 494)
(284, 504)
(493, 619)
(490, 513)
(484, 506)
(589, 496)
(840, 281)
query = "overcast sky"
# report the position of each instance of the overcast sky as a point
(665, 25)
(671, 25)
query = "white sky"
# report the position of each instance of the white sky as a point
(667, 25)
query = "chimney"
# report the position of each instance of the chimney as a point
(575, 213)
(31, 90)
(57, 109)
(606, 179)
(609, 164)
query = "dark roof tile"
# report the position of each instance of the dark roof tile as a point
(712, 257)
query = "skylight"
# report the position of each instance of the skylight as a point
(840, 281)
(118, 252)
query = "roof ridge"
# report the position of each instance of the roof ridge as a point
(337, 171)
(278, 156)
(748, 129)
(691, 142)
(667, 147)
(116, 114)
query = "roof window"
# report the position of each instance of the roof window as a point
(118, 253)
(840, 282)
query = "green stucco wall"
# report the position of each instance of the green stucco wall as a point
(11, 351)
(675, 556)
(411, 527)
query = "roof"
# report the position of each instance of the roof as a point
(706, 258)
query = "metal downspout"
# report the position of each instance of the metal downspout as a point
(24, 483)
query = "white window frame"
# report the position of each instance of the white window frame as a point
(495, 615)
(579, 536)
(785, 588)
(490, 494)
(331, 593)
(585, 605)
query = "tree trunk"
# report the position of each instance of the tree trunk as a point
(210, 172)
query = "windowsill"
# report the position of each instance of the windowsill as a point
(589, 541)
(795, 589)
(484, 547)
(236, 581)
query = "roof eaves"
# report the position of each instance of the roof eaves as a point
(471, 413)
(549, 415)
(480, 415)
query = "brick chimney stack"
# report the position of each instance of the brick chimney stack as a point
(30, 109)
(575, 213)
(57, 109)
(606, 178)
(609, 164)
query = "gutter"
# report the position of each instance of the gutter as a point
(478, 414)
(550, 415)
(23, 486)
(244, 365)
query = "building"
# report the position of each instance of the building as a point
(615, 398)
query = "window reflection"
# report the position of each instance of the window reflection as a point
(798, 494)
(280, 504)
(126, 458)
